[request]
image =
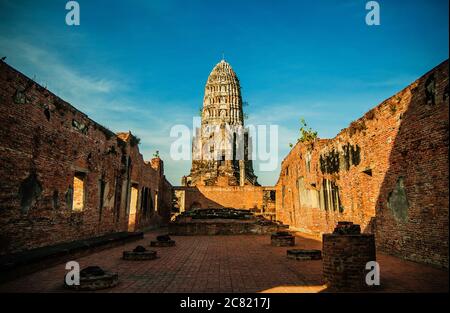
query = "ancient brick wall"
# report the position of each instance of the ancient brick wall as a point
(260, 200)
(344, 260)
(388, 172)
(153, 192)
(63, 176)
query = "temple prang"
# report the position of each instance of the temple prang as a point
(221, 147)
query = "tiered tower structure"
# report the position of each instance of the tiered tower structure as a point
(221, 146)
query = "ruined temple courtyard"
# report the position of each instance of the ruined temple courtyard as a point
(228, 264)
(369, 203)
(209, 156)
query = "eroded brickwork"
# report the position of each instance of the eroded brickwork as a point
(258, 199)
(64, 177)
(344, 260)
(387, 172)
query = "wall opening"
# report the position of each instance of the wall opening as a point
(144, 197)
(329, 196)
(101, 196)
(150, 201)
(79, 194)
(368, 171)
(133, 207)
(29, 191)
(272, 195)
(146, 201)
(55, 197)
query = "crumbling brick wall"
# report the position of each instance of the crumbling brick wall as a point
(387, 172)
(51, 154)
(258, 199)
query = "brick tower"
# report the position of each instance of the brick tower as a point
(221, 146)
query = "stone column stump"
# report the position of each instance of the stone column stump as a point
(345, 254)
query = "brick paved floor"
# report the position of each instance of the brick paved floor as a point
(245, 263)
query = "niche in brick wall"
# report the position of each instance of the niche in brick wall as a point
(398, 201)
(430, 90)
(101, 196)
(29, 191)
(146, 201)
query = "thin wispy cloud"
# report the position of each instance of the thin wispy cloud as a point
(53, 72)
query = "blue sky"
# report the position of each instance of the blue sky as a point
(142, 65)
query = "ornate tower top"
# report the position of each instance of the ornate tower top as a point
(222, 102)
(220, 154)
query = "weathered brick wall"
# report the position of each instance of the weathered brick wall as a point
(44, 143)
(150, 176)
(255, 198)
(344, 260)
(387, 172)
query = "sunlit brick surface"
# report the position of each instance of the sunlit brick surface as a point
(245, 263)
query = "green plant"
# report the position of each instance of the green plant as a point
(306, 133)
(156, 154)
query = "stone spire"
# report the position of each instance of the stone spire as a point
(221, 146)
(222, 102)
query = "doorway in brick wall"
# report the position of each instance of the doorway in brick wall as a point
(133, 208)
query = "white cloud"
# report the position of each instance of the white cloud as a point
(52, 71)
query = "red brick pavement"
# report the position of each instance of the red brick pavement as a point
(245, 263)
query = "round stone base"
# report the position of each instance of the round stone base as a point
(156, 243)
(304, 255)
(282, 239)
(90, 281)
(139, 256)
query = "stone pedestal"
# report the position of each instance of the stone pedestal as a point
(139, 254)
(282, 239)
(94, 278)
(162, 241)
(222, 221)
(344, 260)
